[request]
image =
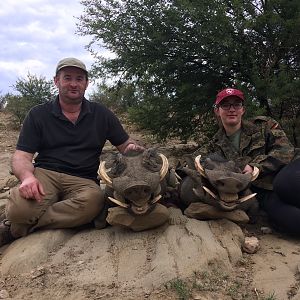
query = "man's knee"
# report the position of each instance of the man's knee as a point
(20, 210)
(93, 201)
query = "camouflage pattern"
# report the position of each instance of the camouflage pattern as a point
(262, 144)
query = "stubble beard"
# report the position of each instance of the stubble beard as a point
(72, 101)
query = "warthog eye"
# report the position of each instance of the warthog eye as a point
(220, 183)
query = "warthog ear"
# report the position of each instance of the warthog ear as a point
(151, 160)
(155, 162)
(118, 165)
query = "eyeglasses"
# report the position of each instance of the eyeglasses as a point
(226, 106)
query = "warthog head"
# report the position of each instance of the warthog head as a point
(218, 182)
(134, 179)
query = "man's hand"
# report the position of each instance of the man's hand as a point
(130, 145)
(133, 147)
(247, 169)
(31, 188)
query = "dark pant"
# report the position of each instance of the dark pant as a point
(283, 204)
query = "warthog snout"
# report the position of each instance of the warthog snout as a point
(137, 191)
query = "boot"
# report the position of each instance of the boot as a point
(5, 234)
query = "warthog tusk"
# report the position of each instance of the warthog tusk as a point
(209, 192)
(120, 203)
(164, 168)
(198, 166)
(177, 176)
(157, 198)
(247, 198)
(103, 175)
(255, 173)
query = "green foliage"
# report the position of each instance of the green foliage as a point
(3, 100)
(271, 296)
(179, 53)
(212, 280)
(119, 98)
(180, 287)
(32, 91)
(296, 131)
(18, 106)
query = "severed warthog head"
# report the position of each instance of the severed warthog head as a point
(218, 182)
(134, 179)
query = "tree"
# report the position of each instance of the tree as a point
(3, 101)
(119, 97)
(179, 53)
(37, 89)
(32, 91)
(18, 106)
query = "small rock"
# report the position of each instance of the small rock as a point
(197, 296)
(11, 181)
(4, 294)
(266, 230)
(298, 268)
(40, 271)
(147, 293)
(251, 245)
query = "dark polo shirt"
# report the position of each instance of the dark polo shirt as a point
(66, 147)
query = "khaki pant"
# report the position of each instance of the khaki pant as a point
(70, 201)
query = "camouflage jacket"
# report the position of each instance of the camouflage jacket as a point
(262, 144)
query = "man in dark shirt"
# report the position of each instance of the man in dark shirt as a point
(60, 189)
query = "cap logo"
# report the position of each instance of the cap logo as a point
(229, 91)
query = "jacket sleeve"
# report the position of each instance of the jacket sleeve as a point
(204, 150)
(278, 149)
(207, 149)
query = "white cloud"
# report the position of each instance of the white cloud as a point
(35, 35)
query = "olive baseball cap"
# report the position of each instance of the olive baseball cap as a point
(70, 62)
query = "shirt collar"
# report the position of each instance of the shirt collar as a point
(247, 128)
(56, 109)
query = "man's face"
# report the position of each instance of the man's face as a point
(230, 110)
(71, 83)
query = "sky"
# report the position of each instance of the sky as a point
(35, 35)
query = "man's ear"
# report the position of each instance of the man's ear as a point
(55, 79)
(216, 110)
(244, 110)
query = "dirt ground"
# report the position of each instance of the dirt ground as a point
(271, 273)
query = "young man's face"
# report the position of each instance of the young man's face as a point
(230, 110)
(71, 83)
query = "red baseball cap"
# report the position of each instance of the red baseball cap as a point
(227, 93)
